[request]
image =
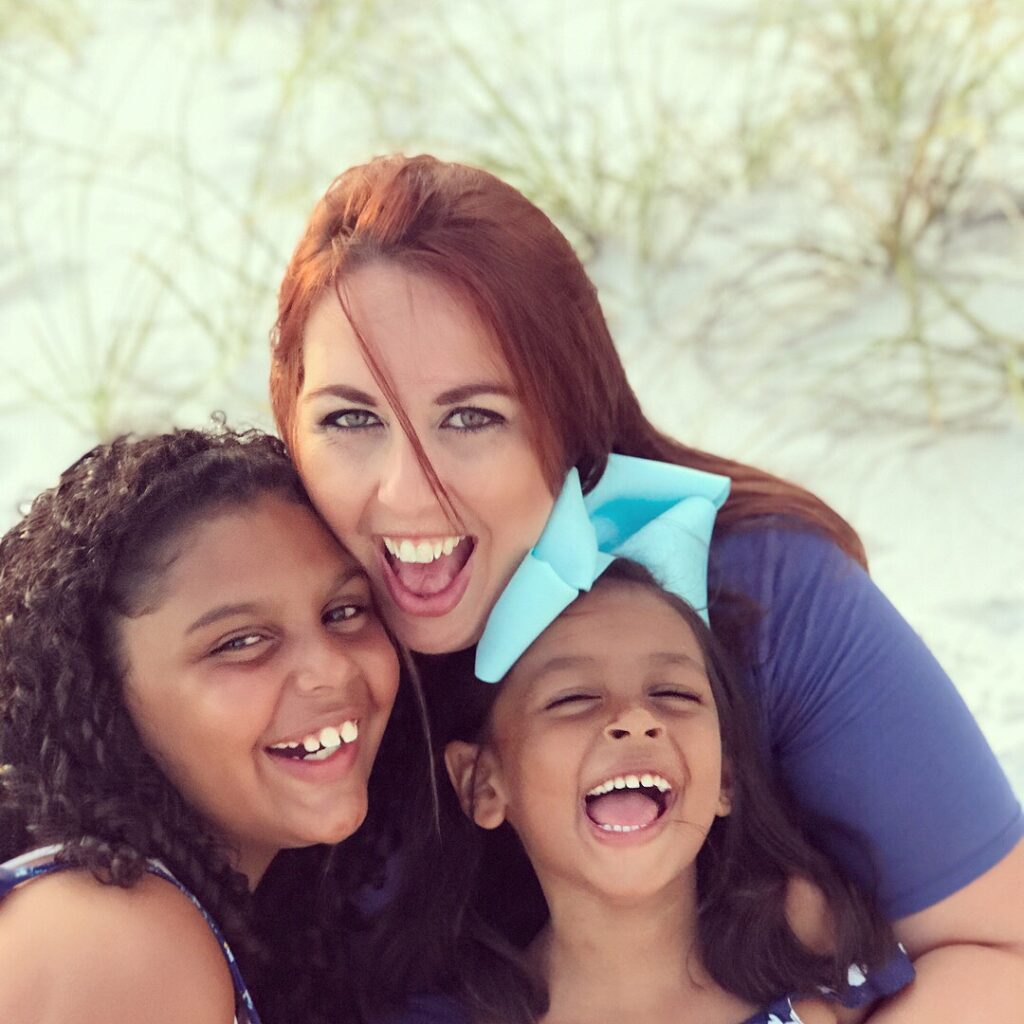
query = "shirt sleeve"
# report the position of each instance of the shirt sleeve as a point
(865, 727)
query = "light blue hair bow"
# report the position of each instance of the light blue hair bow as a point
(655, 513)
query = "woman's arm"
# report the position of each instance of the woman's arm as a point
(867, 730)
(75, 950)
(968, 951)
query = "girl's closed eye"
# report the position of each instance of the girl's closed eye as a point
(680, 694)
(576, 701)
(469, 419)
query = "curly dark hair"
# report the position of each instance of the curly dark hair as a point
(74, 768)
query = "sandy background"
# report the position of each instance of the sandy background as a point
(805, 221)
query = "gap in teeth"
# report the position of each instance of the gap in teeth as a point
(329, 738)
(422, 551)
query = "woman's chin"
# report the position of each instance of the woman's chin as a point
(441, 635)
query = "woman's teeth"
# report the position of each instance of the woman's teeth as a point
(421, 551)
(318, 746)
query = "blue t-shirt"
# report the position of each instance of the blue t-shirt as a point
(863, 724)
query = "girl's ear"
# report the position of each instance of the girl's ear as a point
(725, 792)
(474, 773)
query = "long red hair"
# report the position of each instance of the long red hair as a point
(486, 242)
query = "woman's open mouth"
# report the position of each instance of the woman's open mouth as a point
(426, 575)
(629, 803)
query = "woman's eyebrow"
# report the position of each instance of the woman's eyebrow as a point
(349, 394)
(464, 392)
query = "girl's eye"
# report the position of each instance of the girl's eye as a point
(245, 642)
(470, 418)
(351, 419)
(672, 693)
(346, 614)
(570, 700)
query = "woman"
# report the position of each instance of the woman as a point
(193, 678)
(440, 361)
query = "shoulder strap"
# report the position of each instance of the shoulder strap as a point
(42, 861)
(250, 1016)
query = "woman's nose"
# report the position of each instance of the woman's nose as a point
(635, 722)
(403, 485)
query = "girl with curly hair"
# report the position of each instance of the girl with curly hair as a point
(193, 679)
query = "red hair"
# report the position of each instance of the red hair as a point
(486, 242)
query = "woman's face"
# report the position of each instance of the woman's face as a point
(436, 581)
(605, 753)
(261, 679)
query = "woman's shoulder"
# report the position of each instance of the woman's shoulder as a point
(74, 948)
(774, 549)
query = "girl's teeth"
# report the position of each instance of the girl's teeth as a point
(320, 755)
(324, 742)
(647, 779)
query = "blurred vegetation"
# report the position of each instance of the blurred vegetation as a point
(62, 23)
(748, 180)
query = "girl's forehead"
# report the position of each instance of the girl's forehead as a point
(617, 624)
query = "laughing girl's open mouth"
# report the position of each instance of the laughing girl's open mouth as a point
(628, 803)
(427, 566)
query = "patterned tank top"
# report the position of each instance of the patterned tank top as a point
(42, 861)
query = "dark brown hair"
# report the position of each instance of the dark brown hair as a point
(489, 245)
(470, 902)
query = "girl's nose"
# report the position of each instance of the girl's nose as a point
(323, 666)
(403, 485)
(635, 722)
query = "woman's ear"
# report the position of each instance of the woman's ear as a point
(474, 773)
(725, 792)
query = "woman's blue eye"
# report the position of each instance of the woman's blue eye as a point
(351, 419)
(470, 418)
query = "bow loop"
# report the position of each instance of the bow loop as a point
(655, 513)
(568, 543)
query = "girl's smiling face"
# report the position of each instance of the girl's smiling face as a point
(436, 579)
(260, 678)
(604, 751)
